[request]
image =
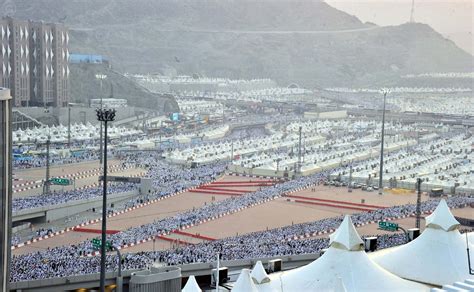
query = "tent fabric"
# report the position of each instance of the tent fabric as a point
(346, 236)
(343, 261)
(258, 274)
(191, 285)
(436, 257)
(244, 283)
(442, 218)
(340, 287)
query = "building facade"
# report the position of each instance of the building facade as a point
(5, 186)
(34, 62)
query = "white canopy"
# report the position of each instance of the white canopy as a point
(340, 287)
(346, 263)
(437, 256)
(191, 285)
(259, 275)
(244, 283)
(442, 218)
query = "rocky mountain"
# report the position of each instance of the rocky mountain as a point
(302, 41)
(84, 86)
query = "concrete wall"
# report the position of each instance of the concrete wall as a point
(326, 115)
(50, 213)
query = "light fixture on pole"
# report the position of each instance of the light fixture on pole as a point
(384, 92)
(104, 115)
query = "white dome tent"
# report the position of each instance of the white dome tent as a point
(344, 267)
(436, 257)
(259, 276)
(191, 285)
(244, 283)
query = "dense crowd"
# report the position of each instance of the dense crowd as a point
(62, 261)
(167, 179)
(25, 162)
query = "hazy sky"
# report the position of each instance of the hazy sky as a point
(452, 18)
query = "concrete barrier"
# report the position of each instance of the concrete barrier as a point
(58, 211)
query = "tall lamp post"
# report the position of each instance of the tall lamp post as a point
(101, 77)
(69, 105)
(104, 115)
(384, 92)
(47, 182)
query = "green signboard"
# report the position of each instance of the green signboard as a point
(389, 226)
(97, 243)
(60, 181)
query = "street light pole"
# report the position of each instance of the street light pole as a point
(104, 115)
(69, 125)
(299, 149)
(382, 144)
(46, 186)
(418, 202)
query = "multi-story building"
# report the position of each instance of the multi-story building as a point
(34, 62)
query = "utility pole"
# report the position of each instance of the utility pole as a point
(299, 150)
(382, 144)
(349, 186)
(69, 125)
(418, 202)
(232, 152)
(46, 186)
(412, 14)
(217, 272)
(104, 115)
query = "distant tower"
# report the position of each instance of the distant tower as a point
(412, 15)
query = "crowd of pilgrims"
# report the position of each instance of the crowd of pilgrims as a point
(167, 179)
(71, 260)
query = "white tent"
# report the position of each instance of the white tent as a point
(344, 267)
(244, 283)
(259, 275)
(437, 256)
(191, 285)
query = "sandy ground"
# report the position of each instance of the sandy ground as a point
(371, 198)
(137, 217)
(269, 215)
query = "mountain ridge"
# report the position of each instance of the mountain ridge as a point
(308, 42)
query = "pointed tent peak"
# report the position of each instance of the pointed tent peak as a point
(442, 218)
(244, 283)
(191, 285)
(258, 274)
(346, 236)
(340, 287)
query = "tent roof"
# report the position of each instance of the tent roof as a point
(340, 287)
(442, 218)
(344, 262)
(191, 285)
(437, 256)
(259, 275)
(244, 283)
(346, 236)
